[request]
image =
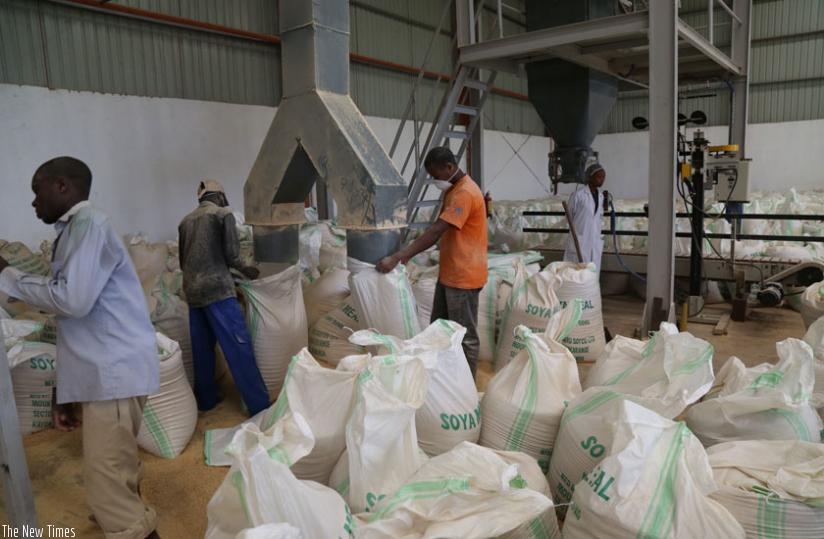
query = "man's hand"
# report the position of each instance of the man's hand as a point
(251, 272)
(387, 263)
(64, 417)
(3, 263)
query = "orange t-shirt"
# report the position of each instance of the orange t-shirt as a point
(464, 244)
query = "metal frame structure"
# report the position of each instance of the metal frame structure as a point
(651, 49)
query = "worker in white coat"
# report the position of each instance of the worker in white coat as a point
(586, 211)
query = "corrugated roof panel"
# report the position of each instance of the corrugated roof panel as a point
(771, 19)
(22, 58)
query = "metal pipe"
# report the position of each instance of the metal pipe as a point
(642, 233)
(710, 21)
(682, 215)
(192, 24)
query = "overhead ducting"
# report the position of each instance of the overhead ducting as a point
(318, 135)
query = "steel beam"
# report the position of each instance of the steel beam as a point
(663, 106)
(691, 36)
(542, 41)
(741, 85)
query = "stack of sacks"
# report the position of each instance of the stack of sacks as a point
(326, 293)
(470, 492)
(20, 257)
(524, 402)
(382, 450)
(423, 288)
(260, 488)
(653, 482)
(812, 303)
(773, 488)
(384, 300)
(149, 259)
(245, 239)
(450, 413)
(329, 336)
(620, 354)
(532, 302)
(815, 338)
(675, 371)
(323, 398)
(773, 406)
(277, 321)
(580, 281)
(170, 315)
(33, 374)
(170, 415)
(310, 237)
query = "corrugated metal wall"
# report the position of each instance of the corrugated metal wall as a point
(49, 44)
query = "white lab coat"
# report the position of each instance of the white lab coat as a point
(587, 218)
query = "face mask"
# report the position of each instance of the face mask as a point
(443, 185)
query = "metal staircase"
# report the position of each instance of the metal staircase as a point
(456, 103)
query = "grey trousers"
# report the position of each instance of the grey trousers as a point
(461, 306)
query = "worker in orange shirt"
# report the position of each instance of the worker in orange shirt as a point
(461, 230)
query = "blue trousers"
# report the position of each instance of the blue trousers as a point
(222, 322)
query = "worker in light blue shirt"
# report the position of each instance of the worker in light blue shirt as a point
(106, 345)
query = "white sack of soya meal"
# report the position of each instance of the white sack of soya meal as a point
(620, 354)
(812, 303)
(329, 336)
(469, 492)
(675, 370)
(277, 322)
(170, 415)
(260, 488)
(271, 531)
(815, 338)
(654, 486)
(33, 374)
(423, 288)
(544, 526)
(580, 281)
(384, 301)
(532, 302)
(324, 399)
(523, 403)
(450, 413)
(381, 440)
(170, 316)
(149, 259)
(774, 489)
(774, 406)
(325, 293)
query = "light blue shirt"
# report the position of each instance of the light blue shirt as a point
(106, 345)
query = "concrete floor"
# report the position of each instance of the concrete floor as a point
(181, 488)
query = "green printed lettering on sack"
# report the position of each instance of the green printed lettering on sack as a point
(599, 481)
(592, 446)
(349, 311)
(544, 457)
(372, 499)
(468, 421)
(349, 525)
(577, 512)
(42, 363)
(586, 304)
(541, 311)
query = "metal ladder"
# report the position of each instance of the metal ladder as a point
(445, 129)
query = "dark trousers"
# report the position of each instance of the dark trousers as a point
(222, 322)
(461, 306)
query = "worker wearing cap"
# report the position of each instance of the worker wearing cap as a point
(586, 214)
(462, 233)
(209, 246)
(106, 345)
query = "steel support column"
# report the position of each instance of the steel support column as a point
(663, 99)
(475, 155)
(741, 86)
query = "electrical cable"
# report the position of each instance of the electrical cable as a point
(615, 240)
